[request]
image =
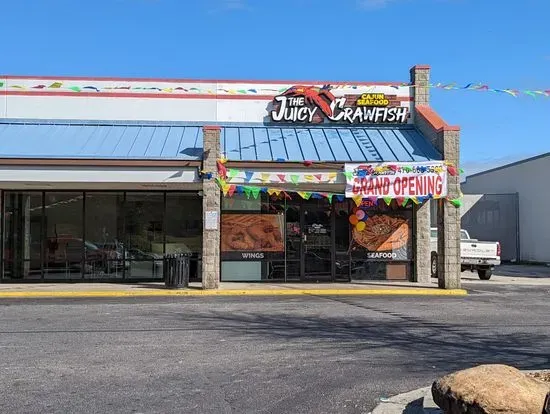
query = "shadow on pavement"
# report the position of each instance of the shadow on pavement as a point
(416, 407)
(443, 344)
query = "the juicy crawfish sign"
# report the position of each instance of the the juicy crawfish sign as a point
(311, 104)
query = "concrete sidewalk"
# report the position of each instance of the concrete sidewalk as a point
(52, 290)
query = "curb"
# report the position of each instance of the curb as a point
(401, 403)
(236, 292)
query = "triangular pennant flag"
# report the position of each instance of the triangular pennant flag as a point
(220, 182)
(405, 202)
(270, 191)
(247, 191)
(373, 200)
(329, 197)
(357, 199)
(340, 197)
(231, 190)
(282, 178)
(348, 174)
(414, 200)
(319, 177)
(421, 199)
(225, 189)
(294, 178)
(287, 196)
(332, 176)
(248, 175)
(240, 189)
(452, 171)
(222, 171)
(232, 173)
(387, 200)
(255, 191)
(457, 202)
(265, 177)
(399, 200)
(308, 177)
(305, 195)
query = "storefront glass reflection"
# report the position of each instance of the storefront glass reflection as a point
(144, 235)
(341, 240)
(320, 243)
(23, 247)
(98, 235)
(104, 249)
(63, 223)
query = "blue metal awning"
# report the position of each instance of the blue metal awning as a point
(239, 142)
(336, 144)
(99, 140)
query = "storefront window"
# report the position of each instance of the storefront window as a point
(63, 223)
(382, 250)
(240, 206)
(342, 239)
(144, 234)
(104, 249)
(184, 227)
(252, 238)
(23, 247)
(98, 235)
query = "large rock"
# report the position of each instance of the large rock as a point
(490, 389)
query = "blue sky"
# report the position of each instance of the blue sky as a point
(502, 43)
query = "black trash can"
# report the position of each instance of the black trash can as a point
(176, 270)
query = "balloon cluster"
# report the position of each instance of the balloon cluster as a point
(358, 218)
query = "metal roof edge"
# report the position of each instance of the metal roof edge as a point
(512, 164)
(35, 121)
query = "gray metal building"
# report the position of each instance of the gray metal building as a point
(519, 189)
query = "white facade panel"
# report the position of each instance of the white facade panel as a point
(158, 100)
(530, 180)
(102, 176)
(121, 109)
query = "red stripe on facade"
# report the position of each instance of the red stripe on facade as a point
(230, 81)
(152, 95)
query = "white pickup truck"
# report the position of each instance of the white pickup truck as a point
(482, 256)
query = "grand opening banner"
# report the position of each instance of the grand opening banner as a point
(396, 180)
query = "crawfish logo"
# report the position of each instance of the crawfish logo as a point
(300, 103)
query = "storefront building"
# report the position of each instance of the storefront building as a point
(258, 181)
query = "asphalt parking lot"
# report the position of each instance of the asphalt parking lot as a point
(264, 354)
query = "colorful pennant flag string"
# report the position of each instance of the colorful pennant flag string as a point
(186, 89)
(486, 88)
(254, 191)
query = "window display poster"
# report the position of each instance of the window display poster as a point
(385, 237)
(252, 237)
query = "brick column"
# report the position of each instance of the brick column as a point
(448, 218)
(420, 76)
(446, 140)
(211, 204)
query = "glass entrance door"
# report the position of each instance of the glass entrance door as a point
(317, 240)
